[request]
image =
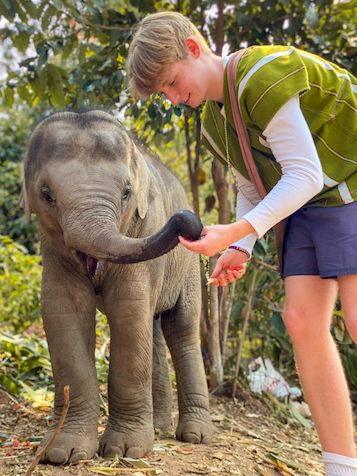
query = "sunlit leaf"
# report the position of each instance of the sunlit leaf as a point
(30, 7)
(278, 324)
(50, 11)
(11, 12)
(7, 382)
(9, 96)
(297, 415)
(58, 99)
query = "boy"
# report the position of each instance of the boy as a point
(301, 116)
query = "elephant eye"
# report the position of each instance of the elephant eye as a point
(126, 194)
(46, 195)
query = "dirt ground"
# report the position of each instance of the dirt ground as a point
(253, 435)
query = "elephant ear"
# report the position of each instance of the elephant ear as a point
(24, 202)
(147, 190)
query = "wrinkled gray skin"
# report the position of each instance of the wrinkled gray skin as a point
(97, 197)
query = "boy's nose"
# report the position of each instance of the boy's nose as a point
(172, 97)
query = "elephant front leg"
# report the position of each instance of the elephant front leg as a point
(68, 311)
(181, 330)
(130, 430)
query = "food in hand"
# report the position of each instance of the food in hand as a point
(239, 267)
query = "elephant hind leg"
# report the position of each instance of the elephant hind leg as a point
(181, 331)
(161, 383)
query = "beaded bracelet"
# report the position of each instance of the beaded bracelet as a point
(239, 249)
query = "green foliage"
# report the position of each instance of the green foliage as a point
(26, 366)
(79, 51)
(325, 27)
(347, 347)
(266, 334)
(81, 48)
(349, 360)
(15, 128)
(20, 282)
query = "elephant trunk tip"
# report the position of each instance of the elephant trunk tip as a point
(182, 223)
(186, 224)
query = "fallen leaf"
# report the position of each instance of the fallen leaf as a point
(184, 451)
(261, 471)
(297, 415)
(114, 471)
(219, 456)
(217, 417)
(284, 468)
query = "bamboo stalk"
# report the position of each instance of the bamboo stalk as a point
(245, 324)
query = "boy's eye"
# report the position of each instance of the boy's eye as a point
(172, 82)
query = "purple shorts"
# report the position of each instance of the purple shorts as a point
(321, 241)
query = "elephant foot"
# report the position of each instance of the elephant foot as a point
(124, 442)
(162, 420)
(69, 446)
(195, 431)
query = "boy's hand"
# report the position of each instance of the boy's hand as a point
(234, 261)
(216, 238)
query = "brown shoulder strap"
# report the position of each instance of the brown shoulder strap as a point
(240, 127)
(243, 137)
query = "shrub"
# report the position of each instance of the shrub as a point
(20, 283)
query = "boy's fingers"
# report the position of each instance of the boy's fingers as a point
(217, 271)
(190, 245)
(231, 276)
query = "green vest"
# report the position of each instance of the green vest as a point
(269, 76)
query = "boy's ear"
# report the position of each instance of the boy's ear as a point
(193, 47)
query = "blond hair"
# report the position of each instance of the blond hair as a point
(159, 41)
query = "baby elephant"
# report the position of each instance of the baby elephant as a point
(106, 209)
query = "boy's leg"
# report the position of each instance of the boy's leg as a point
(309, 305)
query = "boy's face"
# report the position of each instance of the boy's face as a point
(186, 82)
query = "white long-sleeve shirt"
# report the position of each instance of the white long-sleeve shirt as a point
(290, 140)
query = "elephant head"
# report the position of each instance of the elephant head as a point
(91, 187)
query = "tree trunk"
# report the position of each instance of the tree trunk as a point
(219, 28)
(193, 165)
(223, 314)
(221, 187)
(204, 321)
(216, 370)
(218, 305)
(244, 329)
(224, 322)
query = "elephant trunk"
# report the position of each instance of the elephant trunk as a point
(109, 245)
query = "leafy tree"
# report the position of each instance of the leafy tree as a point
(20, 283)
(15, 127)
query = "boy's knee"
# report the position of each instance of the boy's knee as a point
(297, 323)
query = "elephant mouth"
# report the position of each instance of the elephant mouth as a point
(92, 266)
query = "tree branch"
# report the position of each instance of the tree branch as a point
(54, 436)
(268, 22)
(245, 324)
(262, 263)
